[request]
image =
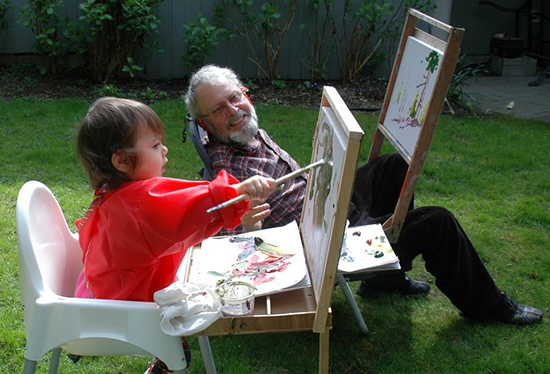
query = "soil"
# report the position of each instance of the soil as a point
(21, 81)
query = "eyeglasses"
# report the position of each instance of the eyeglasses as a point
(236, 98)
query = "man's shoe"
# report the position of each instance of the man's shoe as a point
(511, 312)
(393, 283)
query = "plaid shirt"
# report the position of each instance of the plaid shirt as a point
(269, 160)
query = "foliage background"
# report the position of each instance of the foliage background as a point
(292, 39)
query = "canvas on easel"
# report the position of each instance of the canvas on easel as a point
(337, 140)
(417, 88)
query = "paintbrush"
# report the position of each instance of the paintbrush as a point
(278, 182)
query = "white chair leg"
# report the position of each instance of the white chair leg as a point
(352, 303)
(54, 361)
(29, 367)
(207, 357)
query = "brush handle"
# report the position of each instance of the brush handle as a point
(278, 182)
(228, 203)
(299, 172)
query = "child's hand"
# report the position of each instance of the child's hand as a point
(257, 188)
(252, 220)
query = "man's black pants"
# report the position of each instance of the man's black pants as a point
(432, 232)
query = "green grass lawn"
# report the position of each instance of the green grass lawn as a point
(493, 173)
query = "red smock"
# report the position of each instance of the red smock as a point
(134, 241)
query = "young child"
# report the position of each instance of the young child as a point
(140, 224)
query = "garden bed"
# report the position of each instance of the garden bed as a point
(21, 81)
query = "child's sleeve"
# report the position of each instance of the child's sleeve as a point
(173, 211)
(221, 191)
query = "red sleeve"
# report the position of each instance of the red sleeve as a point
(221, 192)
(174, 211)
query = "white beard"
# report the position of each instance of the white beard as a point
(243, 136)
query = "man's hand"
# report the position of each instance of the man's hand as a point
(252, 220)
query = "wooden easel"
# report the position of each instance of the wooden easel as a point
(450, 49)
(306, 309)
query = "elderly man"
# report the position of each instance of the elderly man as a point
(217, 100)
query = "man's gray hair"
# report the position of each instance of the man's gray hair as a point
(208, 74)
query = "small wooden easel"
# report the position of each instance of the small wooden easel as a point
(338, 140)
(414, 100)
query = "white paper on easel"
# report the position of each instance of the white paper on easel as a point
(276, 266)
(367, 248)
(410, 99)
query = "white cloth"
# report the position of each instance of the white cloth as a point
(187, 308)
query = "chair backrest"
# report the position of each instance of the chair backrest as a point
(197, 136)
(49, 254)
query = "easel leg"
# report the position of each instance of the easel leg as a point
(324, 339)
(352, 303)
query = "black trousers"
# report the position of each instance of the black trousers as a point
(432, 232)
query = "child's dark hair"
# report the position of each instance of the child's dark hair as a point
(112, 125)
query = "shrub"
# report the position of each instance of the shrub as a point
(314, 58)
(262, 27)
(200, 39)
(4, 8)
(464, 70)
(368, 23)
(43, 18)
(115, 29)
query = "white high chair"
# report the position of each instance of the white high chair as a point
(50, 262)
